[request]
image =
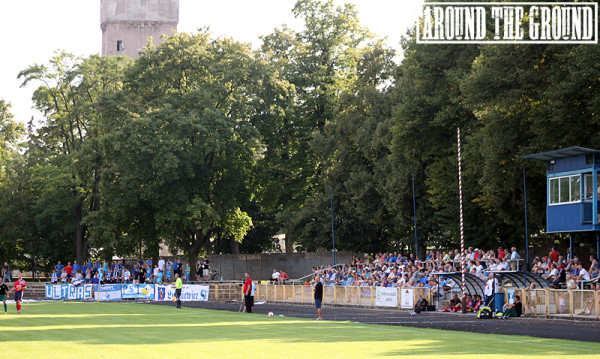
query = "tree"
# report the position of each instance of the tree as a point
(320, 64)
(183, 145)
(68, 94)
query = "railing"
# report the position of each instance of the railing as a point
(559, 302)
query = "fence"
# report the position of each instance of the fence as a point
(559, 302)
(556, 303)
(338, 295)
(541, 302)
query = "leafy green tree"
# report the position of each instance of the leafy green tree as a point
(320, 64)
(183, 145)
(68, 92)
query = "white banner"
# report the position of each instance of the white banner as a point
(407, 298)
(386, 297)
(189, 293)
(69, 291)
(110, 292)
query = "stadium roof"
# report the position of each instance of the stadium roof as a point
(562, 153)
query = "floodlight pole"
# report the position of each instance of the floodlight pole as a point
(415, 218)
(332, 229)
(526, 231)
(462, 233)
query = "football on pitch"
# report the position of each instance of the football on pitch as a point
(270, 314)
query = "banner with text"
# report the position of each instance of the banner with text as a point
(69, 291)
(110, 292)
(138, 291)
(386, 297)
(189, 293)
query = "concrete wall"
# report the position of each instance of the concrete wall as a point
(133, 21)
(260, 266)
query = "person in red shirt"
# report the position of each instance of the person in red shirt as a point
(248, 299)
(554, 255)
(19, 288)
(69, 270)
(283, 277)
(501, 253)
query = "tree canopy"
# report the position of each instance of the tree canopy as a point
(207, 145)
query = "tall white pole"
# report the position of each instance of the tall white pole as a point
(462, 232)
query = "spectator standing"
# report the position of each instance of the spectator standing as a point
(248, 299)
(126, 275)
(54, 278)
(514, 259)
(169, 273)
(76, 267)
(59, 267)
(161, 264)
(318, 296)
(6, 273)
(205, 268)
(491, 287)
(187, 273)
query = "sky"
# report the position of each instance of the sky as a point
(34, 29)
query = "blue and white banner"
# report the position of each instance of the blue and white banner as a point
(189, 293)
(110, 292)
(138, 291)
(69, 291)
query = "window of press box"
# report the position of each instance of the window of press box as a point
(565, 189)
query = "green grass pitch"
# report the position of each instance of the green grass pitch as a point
(129, 330)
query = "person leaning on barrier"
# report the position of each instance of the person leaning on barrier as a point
(532, 298)
(589, 303)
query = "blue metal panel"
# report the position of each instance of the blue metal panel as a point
(566, 218)
(571, 163)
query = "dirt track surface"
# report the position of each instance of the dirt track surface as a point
(535, 327)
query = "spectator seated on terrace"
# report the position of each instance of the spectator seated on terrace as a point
(283, 277)
(455, 303)
(275, 276)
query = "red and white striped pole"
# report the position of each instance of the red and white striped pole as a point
(462, 233)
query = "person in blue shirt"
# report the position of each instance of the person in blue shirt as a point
(76, 267)
(159, 278)
(148, 274)
(59, 267)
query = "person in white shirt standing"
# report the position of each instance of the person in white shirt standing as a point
(514, 259)
(491, 287)
(161, 264)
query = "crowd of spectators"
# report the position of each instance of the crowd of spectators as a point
(139, 272)
(561, 272)
(397, 270)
